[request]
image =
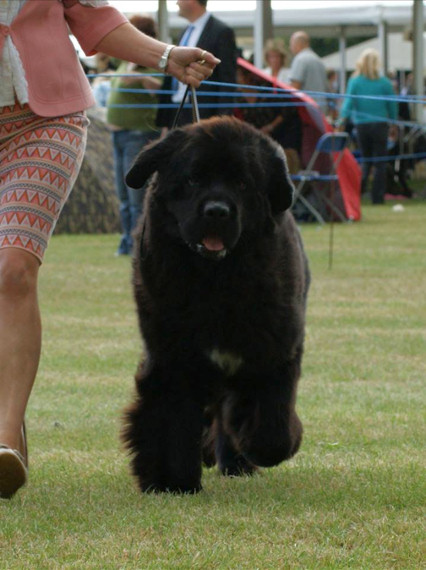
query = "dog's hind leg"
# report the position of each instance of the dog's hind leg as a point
(208, 443)
(231, 463)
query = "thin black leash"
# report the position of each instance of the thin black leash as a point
(195, 111)
(195, 119)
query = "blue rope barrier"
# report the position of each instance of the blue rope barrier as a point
(397, 122)
(206, 105)
(276, 90)
(397, 98)
(392, 158)
(239, 95)
(233, 94)
(270, 93)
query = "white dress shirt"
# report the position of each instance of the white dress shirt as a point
(199, 26)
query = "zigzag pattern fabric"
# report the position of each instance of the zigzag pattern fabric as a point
(39, 162)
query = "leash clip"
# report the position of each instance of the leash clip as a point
(195, 110)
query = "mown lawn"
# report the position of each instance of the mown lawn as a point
(354, 496)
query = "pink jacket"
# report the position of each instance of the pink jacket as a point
(56, 81)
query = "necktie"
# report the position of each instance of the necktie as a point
(183, 42)
(185, 38)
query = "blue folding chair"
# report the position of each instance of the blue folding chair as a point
(330, 147)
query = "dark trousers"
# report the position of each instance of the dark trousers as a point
(372, 141)
(126, 146)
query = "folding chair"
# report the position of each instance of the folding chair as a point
(330, 146)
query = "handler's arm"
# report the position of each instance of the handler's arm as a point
(127, 43)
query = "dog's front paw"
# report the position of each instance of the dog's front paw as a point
(175, 489)
(237, 467)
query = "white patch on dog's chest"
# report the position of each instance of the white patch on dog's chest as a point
(226, 361)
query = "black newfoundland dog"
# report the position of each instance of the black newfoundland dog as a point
(220, 282)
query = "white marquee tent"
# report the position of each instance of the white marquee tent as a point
(400, 52)
(341, 19)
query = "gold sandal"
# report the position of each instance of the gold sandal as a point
(13, 468)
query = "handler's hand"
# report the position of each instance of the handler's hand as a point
(191, 65)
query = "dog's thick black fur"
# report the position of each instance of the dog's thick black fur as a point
(220, 281)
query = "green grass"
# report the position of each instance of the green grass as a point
(353, 497)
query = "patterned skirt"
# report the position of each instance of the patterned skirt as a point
(39, 162)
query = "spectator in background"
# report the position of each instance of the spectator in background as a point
(103, 63)
(393, 78)
(275, 56)
(101, 84)
(206, 32)
(131, 129)
(283, 124)
(307, 71)
(332, 102)
(371, 118)
(406, 90)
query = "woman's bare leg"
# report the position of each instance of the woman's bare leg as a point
(20, 339)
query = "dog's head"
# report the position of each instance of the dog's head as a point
(216, 180)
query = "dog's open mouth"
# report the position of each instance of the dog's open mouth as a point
(212, 247)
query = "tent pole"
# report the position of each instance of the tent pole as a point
(342, 50)
(262, 29)
(382, 33)
(163, 21)
(418, 63)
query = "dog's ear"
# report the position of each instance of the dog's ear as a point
(153, 156)
(281, 188)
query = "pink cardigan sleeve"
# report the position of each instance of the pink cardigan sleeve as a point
(91, 24)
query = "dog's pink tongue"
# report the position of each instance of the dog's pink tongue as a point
(213, 244)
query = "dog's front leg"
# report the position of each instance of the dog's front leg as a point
(163, 432)
(261, 419)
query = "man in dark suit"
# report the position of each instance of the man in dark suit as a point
(206, 32)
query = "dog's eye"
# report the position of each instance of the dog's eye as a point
(191, 182)
(242, 185)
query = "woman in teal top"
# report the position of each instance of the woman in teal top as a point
(371, 118)
(131, 128)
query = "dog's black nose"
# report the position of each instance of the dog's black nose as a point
(216, 210)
